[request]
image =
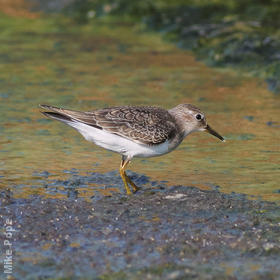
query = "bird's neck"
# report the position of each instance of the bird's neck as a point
(180, 123)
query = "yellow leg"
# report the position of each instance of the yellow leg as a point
(125, 178)
(135, 188)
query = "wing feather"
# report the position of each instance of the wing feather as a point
(147, 125)
(143, 124)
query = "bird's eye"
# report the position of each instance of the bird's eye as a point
(198, 117)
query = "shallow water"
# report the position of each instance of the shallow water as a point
(53, 61)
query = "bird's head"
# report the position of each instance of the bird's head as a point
(191, 119)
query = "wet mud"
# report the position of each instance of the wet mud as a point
(158, 233)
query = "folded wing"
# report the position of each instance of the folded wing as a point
(143, 124)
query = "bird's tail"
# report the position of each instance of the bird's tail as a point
(80, 121)
(70, 117)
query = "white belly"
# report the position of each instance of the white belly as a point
(119, 144)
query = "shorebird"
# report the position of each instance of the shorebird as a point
(134, 131)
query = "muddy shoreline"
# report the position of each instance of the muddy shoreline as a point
(161, 233)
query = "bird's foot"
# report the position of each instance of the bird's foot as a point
(134, 187)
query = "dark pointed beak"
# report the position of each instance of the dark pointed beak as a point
(213, 132)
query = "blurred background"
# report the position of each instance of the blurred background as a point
(222, 56)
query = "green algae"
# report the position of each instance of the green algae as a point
(239, 34)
